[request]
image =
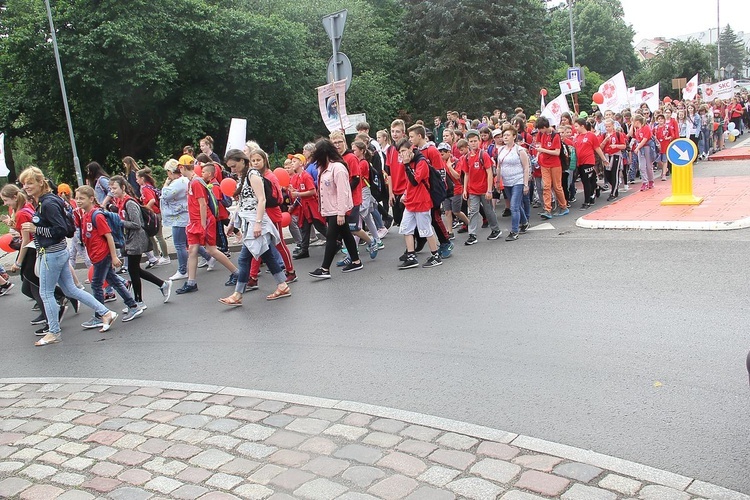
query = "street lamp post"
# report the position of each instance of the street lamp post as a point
(76, 161)
(718, 38)
(572, 40)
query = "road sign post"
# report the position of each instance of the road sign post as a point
(682, 153)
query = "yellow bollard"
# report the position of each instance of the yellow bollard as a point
(682, 153)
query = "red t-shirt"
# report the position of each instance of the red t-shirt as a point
(458, 185)
(93, 237)
(549, 141)
(736, 110)
(196, 191)
(223, 212)
(417, 198)
(663, 137)
(147, 194)
(610, 141)
(308, 208)
(398, 176)
(434, 157)
(353, 163)
(24, 215)
(585, 146)
(674, 128)
(475, 165)
(642, 133)
(364, 170)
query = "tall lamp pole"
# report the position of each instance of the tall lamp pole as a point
(572, 40)
(718, 38)
(76, 161)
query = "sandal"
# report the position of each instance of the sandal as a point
(108, 322)
(231, 301)
(47, 340)
(278, 294)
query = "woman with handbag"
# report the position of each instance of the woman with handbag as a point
(50, 225)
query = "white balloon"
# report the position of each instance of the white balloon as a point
(735, 132)
(731, 127)
(726, 135)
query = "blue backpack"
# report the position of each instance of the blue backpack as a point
(115, 225)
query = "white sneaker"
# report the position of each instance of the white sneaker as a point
(202, 262)
(210, 264)
(382, 232)
(163, 261)
(178, 276)
(624, 187)
(140, 305)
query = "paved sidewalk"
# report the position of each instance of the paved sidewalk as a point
(79, 439)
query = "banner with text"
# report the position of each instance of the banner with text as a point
(722, 90)
(554, 110)
(615, 93)
(332, 104)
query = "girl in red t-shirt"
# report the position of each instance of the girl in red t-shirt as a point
(150, 196)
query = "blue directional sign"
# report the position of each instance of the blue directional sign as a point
(681, 152)
(575, 73)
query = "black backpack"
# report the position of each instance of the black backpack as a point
(564, 153)
(438, 191)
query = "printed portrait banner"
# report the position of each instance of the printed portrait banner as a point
(3, 167)
(332, 104)
(615, 93)
(554, 110)
(691, 88)
(722, 90)
(650, 96)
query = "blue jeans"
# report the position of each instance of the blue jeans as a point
(179, 238)
(103, 272)
(704, 141)
(55, 270)
(520, 206)
(272, 259)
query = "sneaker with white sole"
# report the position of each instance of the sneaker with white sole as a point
(140, 305)
(382, 232)
(178, 276)
(210, 264)
(131, 314)
(202, 262)
(163, 261)
(166, 290)
(93, 323)
(434, 261)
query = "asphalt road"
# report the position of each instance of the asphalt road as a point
(629, 343)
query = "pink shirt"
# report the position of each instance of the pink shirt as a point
(335, 191)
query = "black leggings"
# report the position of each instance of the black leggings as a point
(136, 273)
(335, 232)
(612, 176)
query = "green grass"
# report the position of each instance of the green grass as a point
(3, 227)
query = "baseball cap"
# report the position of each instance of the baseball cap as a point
(444, 146)
(496, 132)
(472, 132)
(185, 160)
(300, 157)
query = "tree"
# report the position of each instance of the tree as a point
(680, 59)
(733, 53)
(603, 40)
(474, 55)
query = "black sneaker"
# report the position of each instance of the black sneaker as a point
(42, 331)
(485, 224)
(463, 229)
(585, 206)
(506, 212)
(495, 234)
(76, 305)
(39, 320)
(410, 262)
(511, 237)
(404, 256)
(61, 314)
(35, 307)
(232, 281)
(572, 200)
(352, 267)
(6, 288)
(420, 245)
(471, 241)
(523, 228)
(610, 197)
(433, 261)
(301, 255)
(320, 273)
(151, 264)
(187, 288)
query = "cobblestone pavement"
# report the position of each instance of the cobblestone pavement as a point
(76, 439)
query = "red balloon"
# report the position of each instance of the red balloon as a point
(198, 170)
(667, 100)
(598, 98)
(543, 92)
(228, 186)
(286, 219)
(283, 177)
(5, 242)
(91, 277)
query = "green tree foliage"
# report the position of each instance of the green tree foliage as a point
(603, 40)
(733, 52)
(591, 85)
(474, 55)
(680, 59)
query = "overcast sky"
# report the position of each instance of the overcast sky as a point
(670, 18)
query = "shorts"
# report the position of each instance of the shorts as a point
(453, 203)
(422, 221)
(354, 219)
(196, 235)
(661, 157)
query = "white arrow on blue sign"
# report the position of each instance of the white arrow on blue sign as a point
(682, 152)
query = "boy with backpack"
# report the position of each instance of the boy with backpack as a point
(97, 237)
(548, 147)
(417, 206)
(201, 228)
(223, 202)
(478, 185)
